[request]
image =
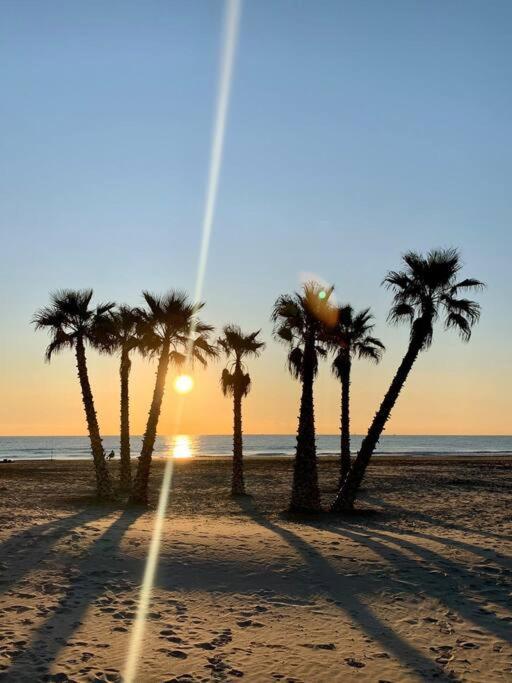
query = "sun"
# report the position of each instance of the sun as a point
(183, 384)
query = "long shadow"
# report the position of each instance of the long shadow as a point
(35, 661)
(347, 600)
(382, 523)
(484, 553)
(434, 521)
(456, 577)
(28, 548)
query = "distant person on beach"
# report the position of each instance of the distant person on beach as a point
(111, 455)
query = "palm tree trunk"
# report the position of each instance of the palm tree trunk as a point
(237, 480)
(345, 422)
(140, 484)
(125, 474)
(348, 492)
(305, 490)
(103, 481)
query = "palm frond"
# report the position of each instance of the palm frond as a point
(226, 382)
(245, 384)
(468, 283)
(370, 352)
(400, 312)
(465, 307)
(295, 358)
(460, 323)
(177, 358)
(60, 341)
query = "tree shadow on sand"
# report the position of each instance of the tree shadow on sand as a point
(346, 599)
(486, 554)
(88, 580)
(458, 586)
(28, 548)
(431, 520)
(451, 584)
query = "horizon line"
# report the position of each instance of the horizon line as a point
(229, 435)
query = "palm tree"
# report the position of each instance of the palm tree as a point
(123, 337)
(424, 290)
(73, 324)
(236, 382)
(299, 321)
(170, 330)
(350, 338)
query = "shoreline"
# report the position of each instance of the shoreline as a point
(382, 458)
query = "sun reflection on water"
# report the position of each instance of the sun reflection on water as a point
(182, 447)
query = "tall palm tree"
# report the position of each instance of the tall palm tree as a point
(426, 289)
(235, 381)
(73, 323)
(170, 330)
(123, 338)
(299, 321)
(350, 338)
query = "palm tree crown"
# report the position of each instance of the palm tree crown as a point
(69, 317)
(122, 329)
(428, 288)
(171, 319)
(299, 316)
(351, 337)
(236, 346)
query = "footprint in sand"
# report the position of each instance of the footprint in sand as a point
(179, 654)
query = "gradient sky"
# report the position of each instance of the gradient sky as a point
(357, 130)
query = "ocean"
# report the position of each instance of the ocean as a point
(77, 447)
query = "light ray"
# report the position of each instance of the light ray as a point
(231, 23)
(139, 625)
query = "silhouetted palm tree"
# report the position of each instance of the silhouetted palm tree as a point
(350, 338)
(123, 337)
(73, 324)
(423, 291)
(170, 330)
(299, 321)
(236, 382)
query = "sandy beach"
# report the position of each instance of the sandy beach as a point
(416, 587)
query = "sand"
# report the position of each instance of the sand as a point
(415, 588)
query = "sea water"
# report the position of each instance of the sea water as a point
(64, 447)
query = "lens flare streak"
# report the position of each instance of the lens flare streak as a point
(231, 23)
(232, 19)
(149, 575)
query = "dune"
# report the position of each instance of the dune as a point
(414, 587)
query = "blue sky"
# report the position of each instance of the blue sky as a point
(356, 130)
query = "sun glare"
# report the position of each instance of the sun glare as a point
(182, 447)
(183, 384)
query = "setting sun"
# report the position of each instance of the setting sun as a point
(183, 384)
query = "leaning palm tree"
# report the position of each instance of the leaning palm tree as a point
(299, 321)
(73, 324)
(169, 330)
(123, 338)
(236, 382)
(424, 290)
(350, 338)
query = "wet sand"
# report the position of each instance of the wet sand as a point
(416, 587)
